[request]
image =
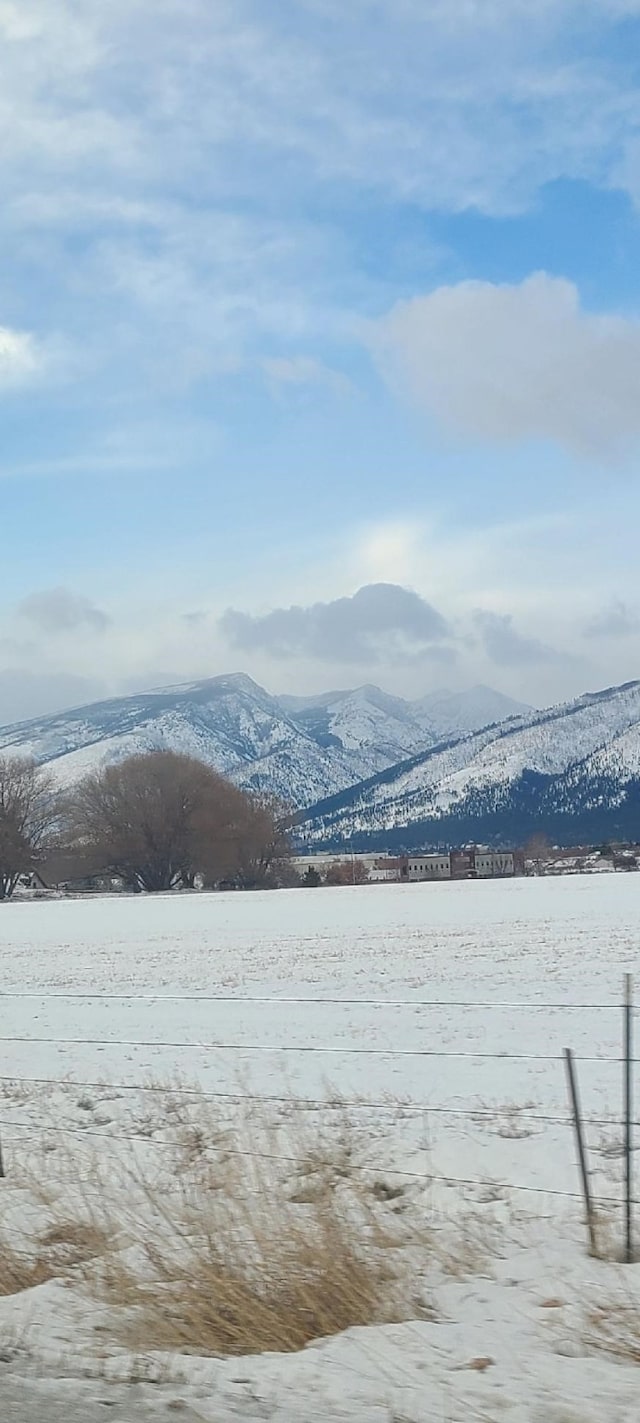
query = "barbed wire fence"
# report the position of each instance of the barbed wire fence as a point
(573, 1120)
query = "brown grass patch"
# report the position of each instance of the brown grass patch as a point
(245, 1235)
(274, 1293)
(613, 1328)
(61, 1248)
(264, 1249)
(20, 1270)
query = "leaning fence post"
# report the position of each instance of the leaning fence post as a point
(572, 1082)
(628, 1106)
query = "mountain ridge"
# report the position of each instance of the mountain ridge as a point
(576, 764)
(365, 767)
(299, 749)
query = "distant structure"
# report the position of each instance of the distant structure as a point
(425, 867)
(475, 862)
(385, 869)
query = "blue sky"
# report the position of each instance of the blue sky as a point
(306, 298)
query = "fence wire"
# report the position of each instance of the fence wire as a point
(475, 1115)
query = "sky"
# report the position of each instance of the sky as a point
(319, 345)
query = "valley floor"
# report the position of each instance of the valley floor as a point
(427, 1023)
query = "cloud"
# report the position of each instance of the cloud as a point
(25, 694)
(56, 610)
(616, 620)
(448, 105)
(196, 618)
(20, 358)
(381, 621)
(517, 362)
(509, 648)
(304, 371)
(135, 448)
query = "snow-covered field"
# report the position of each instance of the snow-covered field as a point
(439, 1013)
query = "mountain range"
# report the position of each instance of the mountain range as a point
(572, 773)
(372, 770)
(301, 749)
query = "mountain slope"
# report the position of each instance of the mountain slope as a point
(370, 768)
(300, 749)
(446, 714)
(236, 726)
(575, 765)
(230, 722)
(378, 728)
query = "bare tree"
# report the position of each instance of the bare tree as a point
(265, 848)
(537, 850)
(161, 819)
(249, 846)
(29, 812)
(346, 872)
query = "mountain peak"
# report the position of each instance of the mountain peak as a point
(458, 763)
(572, 772)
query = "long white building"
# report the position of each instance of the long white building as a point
(426, 867)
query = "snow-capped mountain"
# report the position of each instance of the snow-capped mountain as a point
(230, 722)
(365, 722)
(572, 771)
(368, 767)
(449, 713)
(394, 726)
(300, 749)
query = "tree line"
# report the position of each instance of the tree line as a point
(157, 821)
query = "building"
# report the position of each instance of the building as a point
(479, 862)
(426, 867)
(462, 864)
(493, 864)
(386, 870)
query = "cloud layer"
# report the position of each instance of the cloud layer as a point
(271, 116)
(517, 362)
(380, 621)
(616, 620)
(59, 610)
(451, 103)
(25, 694)
(509, 648)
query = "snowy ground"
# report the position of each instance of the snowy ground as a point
(450, 1008)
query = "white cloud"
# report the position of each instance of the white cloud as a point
(298, 372)
(20, 358)
(520, 362)
(449, 104)
(390, 552)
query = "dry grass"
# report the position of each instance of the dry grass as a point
(20, 1270)
(609, 1240)
(468, 1245)
(243, 1237)
(613, 1328)
(273, 1293)
(60, 1249)
(262, 1251)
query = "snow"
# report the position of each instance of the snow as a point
(449, 713)
(594, 734)
(421, 979)
(300, 749)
